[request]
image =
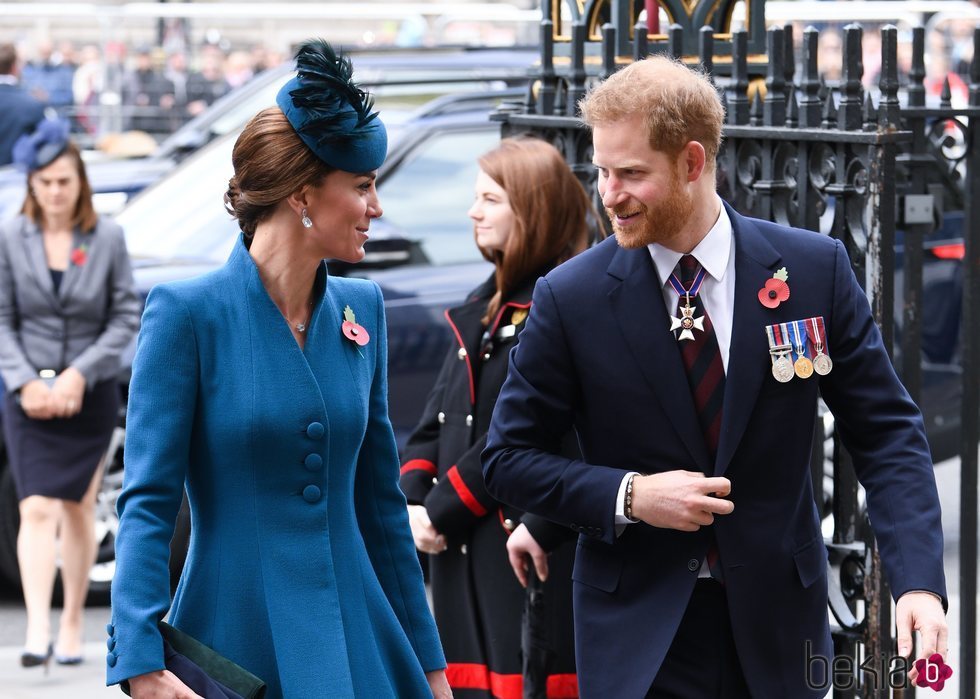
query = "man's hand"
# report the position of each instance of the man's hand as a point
(161, 684)
(683, 500)
(521, 545)
(439, 685)
(427, 539)
(922, 612)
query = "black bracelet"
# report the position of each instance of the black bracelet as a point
(628, 502)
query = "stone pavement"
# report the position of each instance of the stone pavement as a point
(85, 681)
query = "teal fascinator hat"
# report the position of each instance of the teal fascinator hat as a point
(331, 114)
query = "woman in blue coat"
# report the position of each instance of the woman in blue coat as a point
(261, 387)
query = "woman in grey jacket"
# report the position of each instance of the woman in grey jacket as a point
(68, 309)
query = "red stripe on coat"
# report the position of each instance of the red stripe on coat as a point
(478, 676)
(563, 686)
(419, 465)
(465, 494)
(469, 367)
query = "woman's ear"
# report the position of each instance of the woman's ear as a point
(299, 200)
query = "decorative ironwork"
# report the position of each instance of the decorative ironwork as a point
(625, 17)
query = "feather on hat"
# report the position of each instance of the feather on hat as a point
(330, 113)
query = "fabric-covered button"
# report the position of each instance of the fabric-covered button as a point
(313, 462)
(110, 629)
(314, 430)
(311, 493)
(110, 659)
(110, 643)
(693, 564)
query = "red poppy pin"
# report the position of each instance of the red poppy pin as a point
(776, 290)
(79, 256)
(352, 331)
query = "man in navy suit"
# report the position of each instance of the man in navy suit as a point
(687, 353)
(19, 112)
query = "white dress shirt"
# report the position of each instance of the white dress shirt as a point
(716, 253)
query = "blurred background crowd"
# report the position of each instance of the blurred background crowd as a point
(118, 87)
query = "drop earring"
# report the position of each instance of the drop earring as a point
(307, 223)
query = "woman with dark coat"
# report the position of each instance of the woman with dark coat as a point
(68, 310)
(530, 214)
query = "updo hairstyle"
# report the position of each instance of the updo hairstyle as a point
(271, 162)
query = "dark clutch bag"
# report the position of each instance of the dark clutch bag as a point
(207, 672)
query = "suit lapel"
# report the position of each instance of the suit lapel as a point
(639, 310)
(75, 271)
(37, 262)
(755, 261)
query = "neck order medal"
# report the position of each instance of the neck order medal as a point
(687, 323)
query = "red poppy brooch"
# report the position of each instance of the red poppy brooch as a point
(352, 331)
(79, 256)
(775, 290)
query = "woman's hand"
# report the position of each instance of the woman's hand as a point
(520, 545)
(68, 392)
(438, 684)
(36, 401)
(161, 684)
(427, 539)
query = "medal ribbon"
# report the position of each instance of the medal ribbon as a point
(799, 338)
(778, 338)
(676, 284)
(787, 340)
(815, 330)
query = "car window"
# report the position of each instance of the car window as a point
(428, 194)
(183, 216)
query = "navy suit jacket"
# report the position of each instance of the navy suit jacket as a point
(597, 355)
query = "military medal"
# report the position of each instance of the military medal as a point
(779, 351)
(687, 323)
(803, 367)
(822, 363)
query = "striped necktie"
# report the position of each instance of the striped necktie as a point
(706, 376)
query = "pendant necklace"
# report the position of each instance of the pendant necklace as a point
(301, 326)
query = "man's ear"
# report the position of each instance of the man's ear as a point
(693, 160)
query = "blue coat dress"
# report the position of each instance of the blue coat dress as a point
(301, 565)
